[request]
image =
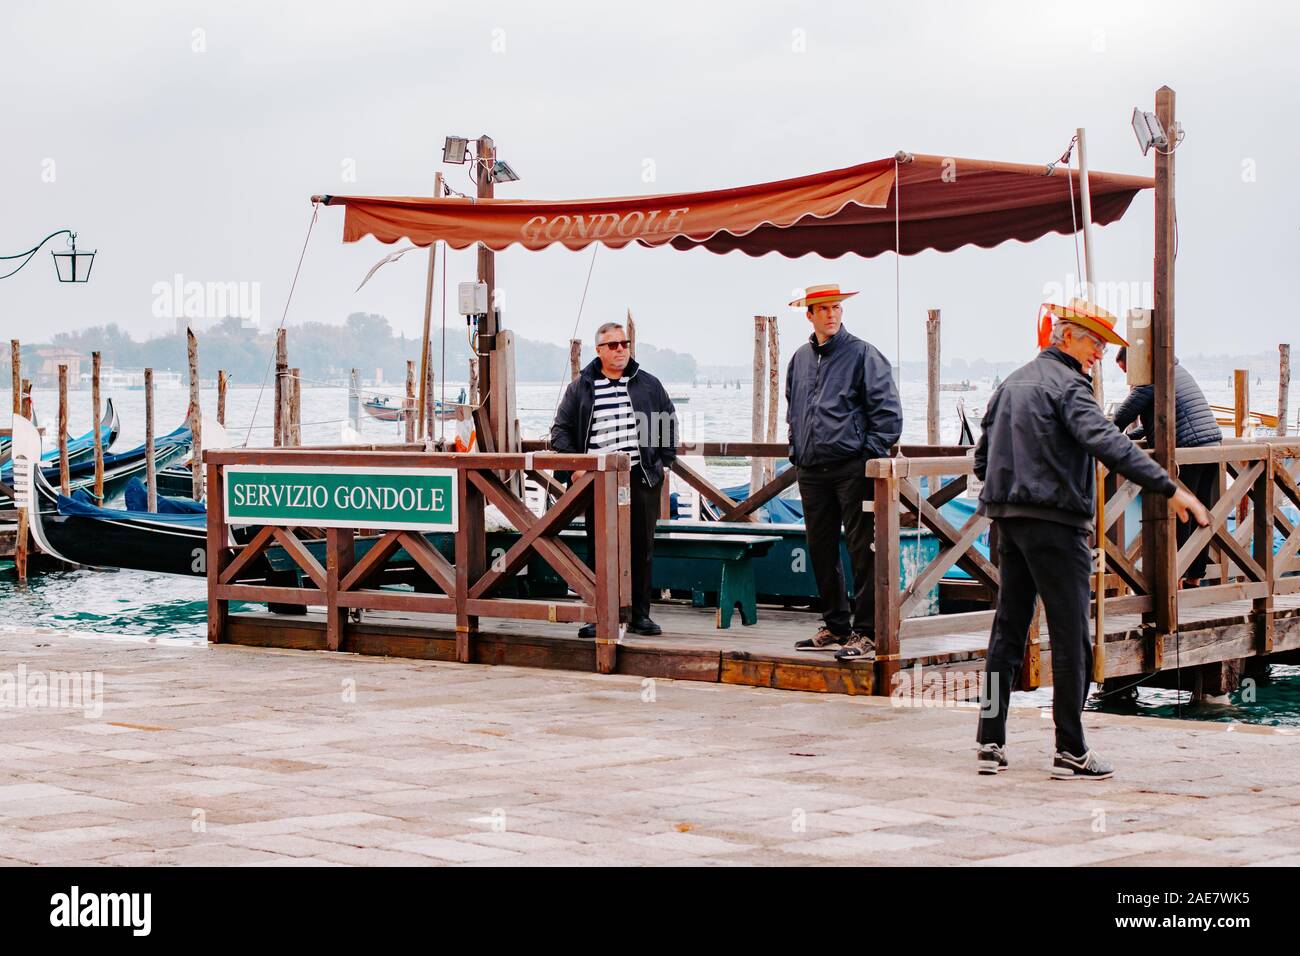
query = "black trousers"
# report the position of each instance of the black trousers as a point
(1202, 481)
(645, 512)
(832, 497)
(1051, 560)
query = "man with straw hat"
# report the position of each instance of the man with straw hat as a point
(842, 408)
(1041, 435)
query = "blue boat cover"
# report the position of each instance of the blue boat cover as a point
(136, 496)
(80, 508)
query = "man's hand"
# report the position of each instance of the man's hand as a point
(1188, 504)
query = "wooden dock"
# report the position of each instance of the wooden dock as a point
(1250, 609)
(691, 648)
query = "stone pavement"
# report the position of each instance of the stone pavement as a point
(232, 755)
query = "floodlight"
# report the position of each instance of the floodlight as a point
(455, 150)
(1149, 131)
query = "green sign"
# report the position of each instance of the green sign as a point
(408, 499)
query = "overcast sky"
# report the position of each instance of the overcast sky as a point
(186, 139)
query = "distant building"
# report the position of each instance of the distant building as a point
(47, 375)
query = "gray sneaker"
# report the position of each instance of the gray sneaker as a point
(1088, 767)
(823, 640)
(860, 647)
(992, 758)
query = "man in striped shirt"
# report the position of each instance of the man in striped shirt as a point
(616, 406)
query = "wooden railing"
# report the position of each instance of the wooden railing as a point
(467, 583)
(1257, 480)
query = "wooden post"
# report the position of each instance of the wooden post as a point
(408, 405)
(1240, 400)
(429, 401)
(631, 334)
(354, 402)
(473, 389)
(64, 484)
(575, 358)
(1262, 498)
(196, 415)
(1159, 543)
(217, 557)
(932, 371)
(773, 391)
(295, 407)
(760, 384)
(223, 381)
(94, 418)
(150, 469)
(281, 372)
(15, 357)
(471, 560)
(888, 621)
(1283, 387)
(608, 568)
(340, 555)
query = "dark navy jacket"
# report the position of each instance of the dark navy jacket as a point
(656, 418)
(1194, 422)
(841, 402)
(1041, 433)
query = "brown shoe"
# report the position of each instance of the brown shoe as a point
(823, 640)
(859, 647)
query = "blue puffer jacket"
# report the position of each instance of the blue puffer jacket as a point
(841, 402)
(1194, 422)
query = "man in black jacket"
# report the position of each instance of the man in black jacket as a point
(1194, 427)
(1042, 432)
(616, 406)
(842, 408)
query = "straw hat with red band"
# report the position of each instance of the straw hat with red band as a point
(815, 294)
(1087, 314)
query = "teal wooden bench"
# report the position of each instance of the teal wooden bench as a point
(715, 569)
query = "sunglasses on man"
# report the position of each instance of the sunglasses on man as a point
(614, 345)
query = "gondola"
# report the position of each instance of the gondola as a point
(118, 468)
(79, 449)
(381, 408)
(171, 541)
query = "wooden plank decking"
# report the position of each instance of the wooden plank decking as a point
(691, 648)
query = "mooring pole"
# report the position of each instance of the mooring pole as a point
(1283, 387)
(223, 380)
(64, 483)
(631, 334)
(758, 406)
(281, 373)
(773, 391)
(408, 406)
(575, 358)
(354, 402)
(15, 356)
(150, 467)
(196, 416)
(99, 438)
(932, 367)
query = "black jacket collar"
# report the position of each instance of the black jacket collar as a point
(1052, 352)
(842, 335)
(595, 371)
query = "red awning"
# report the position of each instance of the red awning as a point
(945, 203)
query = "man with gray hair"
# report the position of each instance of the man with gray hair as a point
(616, 406)
(1041, 435)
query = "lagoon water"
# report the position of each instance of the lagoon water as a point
(136, 603)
